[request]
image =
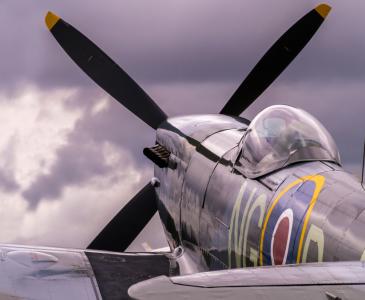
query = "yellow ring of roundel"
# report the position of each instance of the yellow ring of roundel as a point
(319, 182)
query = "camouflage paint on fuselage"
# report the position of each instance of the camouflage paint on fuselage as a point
(307, 212)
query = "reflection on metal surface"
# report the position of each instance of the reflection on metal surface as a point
(220, 142)
(32, 259)
(300, 282)
(303, 274)
(46, 273)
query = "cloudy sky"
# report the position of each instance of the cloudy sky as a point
(71, 156)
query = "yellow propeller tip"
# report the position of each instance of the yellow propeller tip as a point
(51, 20)
(323, 10)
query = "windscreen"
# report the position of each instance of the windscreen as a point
(281, 135)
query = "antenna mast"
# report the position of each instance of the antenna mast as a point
(363, 166)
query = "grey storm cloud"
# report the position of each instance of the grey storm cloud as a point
(8, 182)
(190, 56)
(76, 163)
(82, 158)
(189, 41)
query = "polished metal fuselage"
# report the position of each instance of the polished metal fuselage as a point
(307, 212)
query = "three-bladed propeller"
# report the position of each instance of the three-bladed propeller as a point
(135, 215)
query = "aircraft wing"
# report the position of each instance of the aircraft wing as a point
(325, 281)
(51, 273)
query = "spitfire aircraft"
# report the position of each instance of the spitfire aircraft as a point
(257, 209)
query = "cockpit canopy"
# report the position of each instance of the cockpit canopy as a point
(281, 135)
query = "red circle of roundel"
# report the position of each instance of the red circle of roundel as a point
(280, 241)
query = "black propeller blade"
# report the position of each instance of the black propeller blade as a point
(128, 223)
(105, 72)
(279, 56)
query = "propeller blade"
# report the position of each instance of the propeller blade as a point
(274, 62)
(120, 232)
(104, 71)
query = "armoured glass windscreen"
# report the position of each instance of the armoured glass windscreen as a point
(281, 135)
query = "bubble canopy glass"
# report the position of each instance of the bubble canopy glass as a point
(281, 135)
